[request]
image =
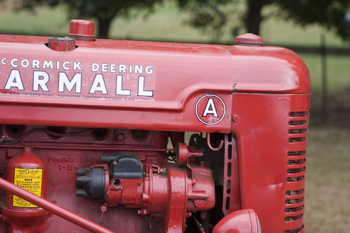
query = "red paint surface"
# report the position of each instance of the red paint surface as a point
(242, 221)
(83, 28)
(265, 91)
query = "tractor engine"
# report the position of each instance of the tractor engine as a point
(124, 136)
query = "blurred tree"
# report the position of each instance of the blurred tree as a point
(103, 11)
(213, 14)
(327, 13)
(210, 15)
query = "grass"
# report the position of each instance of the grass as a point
(170, 26)
(328, 181)
(45, 21)
(277, 31)
(338, 71)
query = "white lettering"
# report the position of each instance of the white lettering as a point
(37, 81)
(3, 61)
(64, 65)
(141, 89)
(104, 67)
(122, 68)
(36, 64)
(47, 65)
(13, 62)
(24, 63)
(76, 65)
(138, 69)
(98, 85)
(130, 69)
(113, 68)
(119, 90)
(210, 108)
(14, 80)
(58, 65)
(63, 81)
(95, 67)
(149, 70)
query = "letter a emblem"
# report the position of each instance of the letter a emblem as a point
(210, 108)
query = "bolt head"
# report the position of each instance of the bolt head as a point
(235, 118)
(249, 39)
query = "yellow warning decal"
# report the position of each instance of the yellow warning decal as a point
(30, 180)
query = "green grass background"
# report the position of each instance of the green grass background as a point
(328, 176)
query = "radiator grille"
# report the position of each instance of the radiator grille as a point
(296, 169)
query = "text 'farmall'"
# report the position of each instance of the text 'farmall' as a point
(52, 78)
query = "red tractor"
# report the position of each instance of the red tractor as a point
(97, 135)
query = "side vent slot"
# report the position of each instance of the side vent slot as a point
(296, 167)
(295, 179)
(295, 230)
(298, 122)
(295, 170)
(289, 219)
(295, 140)
(295, 201)
(296, 162)
(297, 131)
(299, 114)
(295, 192)
(297, 153)
(296, 209)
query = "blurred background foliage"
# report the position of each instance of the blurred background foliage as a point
(209, 15)
(313, 27)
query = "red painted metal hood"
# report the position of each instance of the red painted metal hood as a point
(148, 76)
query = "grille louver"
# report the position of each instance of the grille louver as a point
(295, 230)
(296, 169)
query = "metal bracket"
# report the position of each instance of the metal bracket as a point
(211, 147)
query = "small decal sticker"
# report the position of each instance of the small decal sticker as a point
(30, 180)
(210, 109)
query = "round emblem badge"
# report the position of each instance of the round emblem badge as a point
(210, 109)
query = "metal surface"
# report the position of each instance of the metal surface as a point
(249, 39)
(63, 213)
(28, 171)
(61, 44)
(211, 147)
(81, 28)
(191, 75)
(242, 221)
(264, 149)
(133, 96)
(151, 194)
(231, 188)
